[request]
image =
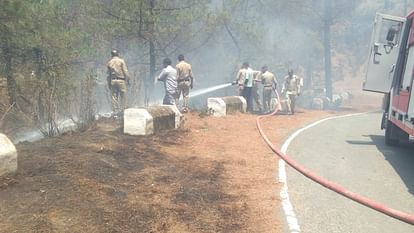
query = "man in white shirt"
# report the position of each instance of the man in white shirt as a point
(245, 78)
(169, 77)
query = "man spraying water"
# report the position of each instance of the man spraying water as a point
(245, 78)
(185, 81)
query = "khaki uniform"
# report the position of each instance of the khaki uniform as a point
(269, 85)
(255, 90)
(117, 77)
(185, 80)
(291, 89)
(240, 78)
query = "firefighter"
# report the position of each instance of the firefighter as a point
(269, 86)
(291, 89)
(169, 77)
(240, 78)
(257, 79)
(118, 79)
(185, 81)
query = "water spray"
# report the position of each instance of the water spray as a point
(209, 89)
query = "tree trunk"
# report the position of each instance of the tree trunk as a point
(308, 82)
(327, 48)
(150, 82)
(149, 87)
(11, 82)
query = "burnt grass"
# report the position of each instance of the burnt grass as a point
(104, 181)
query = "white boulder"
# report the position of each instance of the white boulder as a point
(226, 105)
(138, 121)
(8, 156)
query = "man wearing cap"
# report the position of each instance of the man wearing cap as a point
(118, 79)
(291, 89)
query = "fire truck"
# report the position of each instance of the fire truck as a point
(390, 71)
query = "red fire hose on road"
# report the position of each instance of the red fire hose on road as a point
(402, 216)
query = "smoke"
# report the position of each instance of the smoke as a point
(279, 34)
(216, 37)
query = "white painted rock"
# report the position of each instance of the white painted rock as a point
(274, 103)
(345, 96)
(318, 103)
(138, 121)
(226, 105)
(284, 105)
(178, 115)
(163, 117)
(216, 106)
(8, 156)
(336, 100)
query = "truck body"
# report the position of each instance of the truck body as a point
(390, 71)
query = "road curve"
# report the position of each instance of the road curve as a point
(350, 151)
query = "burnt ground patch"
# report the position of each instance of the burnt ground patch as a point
(103, 181)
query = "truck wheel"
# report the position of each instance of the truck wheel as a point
(390, 132)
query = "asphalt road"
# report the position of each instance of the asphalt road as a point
(351, 152)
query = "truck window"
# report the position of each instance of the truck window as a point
(390, 32)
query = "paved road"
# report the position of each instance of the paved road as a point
(351, 152)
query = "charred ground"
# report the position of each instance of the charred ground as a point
(213, 175)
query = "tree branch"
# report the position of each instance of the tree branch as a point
(233, 38)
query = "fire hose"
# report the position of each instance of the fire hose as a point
(402, 216)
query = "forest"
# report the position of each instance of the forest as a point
(53, 53)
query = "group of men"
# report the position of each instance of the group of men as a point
(249, 81)
(177, 81)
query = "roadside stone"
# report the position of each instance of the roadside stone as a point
(336, 100)
(140, 121)
(318, 104)
(223, 106)
(345, 96)
(284, 105)
(8, 156)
